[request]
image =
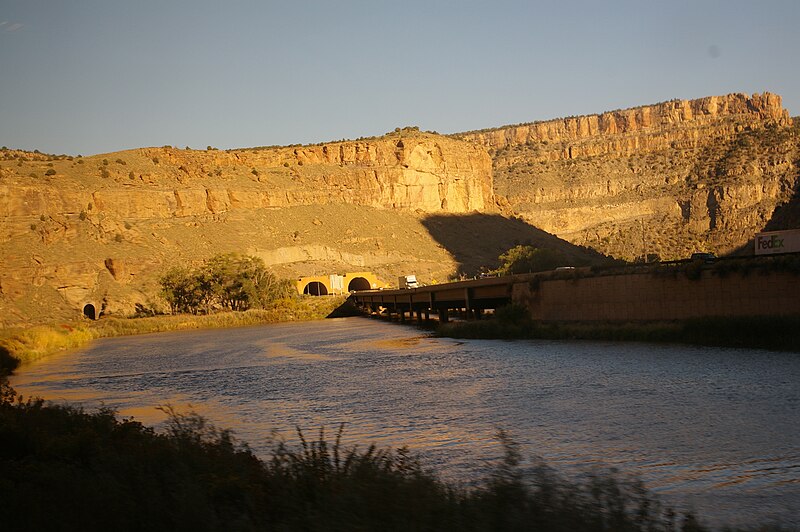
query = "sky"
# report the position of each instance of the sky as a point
(96, 76)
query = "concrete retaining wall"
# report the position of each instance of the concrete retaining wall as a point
(657, 297)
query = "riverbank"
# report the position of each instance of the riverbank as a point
(27, 345)
(757, 332)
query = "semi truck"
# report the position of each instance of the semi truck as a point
(407, 281)
(774, 242)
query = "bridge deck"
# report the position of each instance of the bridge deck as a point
(472, 295)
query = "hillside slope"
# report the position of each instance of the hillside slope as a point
(661, 180)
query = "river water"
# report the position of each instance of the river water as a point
(715, 430)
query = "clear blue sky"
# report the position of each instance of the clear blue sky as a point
(95, 76)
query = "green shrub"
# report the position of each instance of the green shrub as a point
(50, 172)
(524, 259)
(227, 281)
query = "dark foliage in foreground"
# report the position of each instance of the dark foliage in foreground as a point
(7, 362)
(64, 469)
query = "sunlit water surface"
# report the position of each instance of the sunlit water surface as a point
(716, 430)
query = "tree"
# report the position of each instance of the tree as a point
(184, 290)
(524, 259)
(240, 282)
(230, 281)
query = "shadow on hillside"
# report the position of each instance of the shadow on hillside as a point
(477, 240)
(786, 216)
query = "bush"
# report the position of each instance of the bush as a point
(228, 281)
(524, 259)
(50, 172)
(8, 363)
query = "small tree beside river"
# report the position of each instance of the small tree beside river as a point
(227, 281)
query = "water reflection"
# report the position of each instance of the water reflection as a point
(715, 429)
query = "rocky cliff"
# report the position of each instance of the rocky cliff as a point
(660, 180)
(100, 229)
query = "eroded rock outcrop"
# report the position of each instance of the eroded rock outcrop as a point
(660, 180)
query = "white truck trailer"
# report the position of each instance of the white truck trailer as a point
(407, 281)
(773, 242)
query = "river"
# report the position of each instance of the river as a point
(715, 430)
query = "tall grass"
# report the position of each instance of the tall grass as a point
(28, 345)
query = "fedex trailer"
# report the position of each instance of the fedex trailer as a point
(774, 242)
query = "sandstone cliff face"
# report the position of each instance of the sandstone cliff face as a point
(665, 180)
(417, 172)
(101, 229)
(662, 180)
(662, 116)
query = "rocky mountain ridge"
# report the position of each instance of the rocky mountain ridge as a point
(659, 180)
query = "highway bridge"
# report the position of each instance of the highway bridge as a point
(739, 286)
(470, 298)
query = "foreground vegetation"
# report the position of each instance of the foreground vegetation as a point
(514, 322)
(28, 345)
(62, 468)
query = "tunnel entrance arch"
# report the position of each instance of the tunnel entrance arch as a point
(315, 288)
(358, 283)
(90, 311)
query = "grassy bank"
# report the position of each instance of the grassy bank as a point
(774, 333)
(30, 344)
(64, 469)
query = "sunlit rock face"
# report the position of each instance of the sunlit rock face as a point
(663, 179)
